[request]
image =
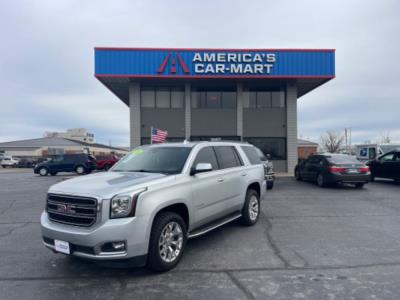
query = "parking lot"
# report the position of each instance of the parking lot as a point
(310, 243)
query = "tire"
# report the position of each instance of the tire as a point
(53, 173)
(80, 170)
(297, 175)
(43, 171)
(107, 167)
(161, 260)
(359, 185)
(3, 166)
(270, 185)
(251, 208)
(321, 180)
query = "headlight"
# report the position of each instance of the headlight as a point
(124, 205)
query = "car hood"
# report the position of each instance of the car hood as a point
(106, 184)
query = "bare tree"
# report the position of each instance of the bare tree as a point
(386, 138)
(331, 141)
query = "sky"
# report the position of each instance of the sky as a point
(47, 58)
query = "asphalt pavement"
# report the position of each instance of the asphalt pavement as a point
(310, 243)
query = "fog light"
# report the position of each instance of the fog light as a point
(119, 246)
(114, 247)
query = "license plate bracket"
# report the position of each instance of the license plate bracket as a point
(62, 247)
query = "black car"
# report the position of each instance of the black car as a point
(325, 169)
(79, 163)
(25, 163)
(386, 166)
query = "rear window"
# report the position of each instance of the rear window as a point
(342, 159)
(252, 155)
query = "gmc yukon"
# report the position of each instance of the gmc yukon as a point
(155, 198)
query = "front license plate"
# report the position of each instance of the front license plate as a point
(352, 171)
(62, 247)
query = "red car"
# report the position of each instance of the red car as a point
(105, 162)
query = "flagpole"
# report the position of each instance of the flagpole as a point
(151, 133)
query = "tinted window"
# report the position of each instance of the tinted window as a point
(162, 98)
(168, 160)
(342, 159)
(278, 99)
(276, 147)
(263, 99)
(177, 98)
(252, 155)
(206, 155)
(227, 157)
(213, 99)
(147, 98)
(387, 157)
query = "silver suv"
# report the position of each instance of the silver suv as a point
(144, 209)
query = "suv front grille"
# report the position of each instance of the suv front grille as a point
(72, 210)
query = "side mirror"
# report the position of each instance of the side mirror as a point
(201, 168)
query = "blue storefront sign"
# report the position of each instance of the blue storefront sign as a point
(214, 63)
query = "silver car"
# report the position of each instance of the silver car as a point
(144, 209)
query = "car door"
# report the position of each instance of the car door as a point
(234, 178)
(384, 166)
(310, 168)
(396, 169)
(207, 188)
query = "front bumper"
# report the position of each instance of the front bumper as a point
(87, 242)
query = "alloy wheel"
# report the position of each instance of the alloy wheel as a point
(170, 242)
(253, 208)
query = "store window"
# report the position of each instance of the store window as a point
(263, 99)
(214, 99)
(162, 97)
(276, 147)
(148, 97)
(177, 98)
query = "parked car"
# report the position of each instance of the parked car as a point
(79, 163)
(26, 163)
(257, 156)
(386, 166)
(8, 161)
(154, 199)
(105, 162)
(329, 168)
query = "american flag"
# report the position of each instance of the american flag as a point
(158, 135)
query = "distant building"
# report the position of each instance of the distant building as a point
(76, 134)
(306, 148)
(47, 146)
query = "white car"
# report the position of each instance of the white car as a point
(8, 161)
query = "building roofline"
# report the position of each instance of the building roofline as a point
(216, 49)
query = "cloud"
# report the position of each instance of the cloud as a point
(46, 58)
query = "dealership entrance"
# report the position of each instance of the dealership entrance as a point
(228, 94)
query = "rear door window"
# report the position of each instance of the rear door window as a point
(252, 155)
(206, 155)
(227, 157)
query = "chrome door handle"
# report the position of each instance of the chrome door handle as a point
(244, 174)
(220, 180)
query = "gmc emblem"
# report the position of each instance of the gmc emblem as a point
(65, 208)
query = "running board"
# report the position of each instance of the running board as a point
(204, 229)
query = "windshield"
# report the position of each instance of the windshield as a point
(343, 159)
(166, 160)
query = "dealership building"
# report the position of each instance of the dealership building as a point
(228, 94)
